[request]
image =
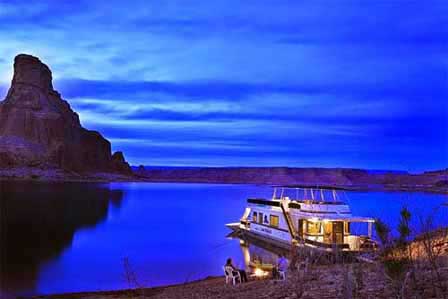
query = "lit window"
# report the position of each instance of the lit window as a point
(254, 217)
(260, 217)
(313, 228)
(273, 220)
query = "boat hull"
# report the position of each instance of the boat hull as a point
(244, 233)
(234, 226)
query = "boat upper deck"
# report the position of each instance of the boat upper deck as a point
(301, 196)
(294, 204)
(323, 204)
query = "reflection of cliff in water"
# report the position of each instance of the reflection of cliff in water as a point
(38, 221)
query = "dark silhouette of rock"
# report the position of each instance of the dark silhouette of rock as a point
(119, 164)
(39, 129)
(140, 171)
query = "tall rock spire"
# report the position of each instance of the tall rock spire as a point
(39, 128)
(30, 70)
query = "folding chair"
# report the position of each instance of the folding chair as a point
(231, 275)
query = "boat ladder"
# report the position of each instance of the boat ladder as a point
(288, 220)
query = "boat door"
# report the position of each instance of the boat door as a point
(338, 232)
(301, 222)
(328, 232)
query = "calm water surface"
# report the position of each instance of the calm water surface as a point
(75, 237)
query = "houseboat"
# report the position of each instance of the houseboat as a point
(315, 218)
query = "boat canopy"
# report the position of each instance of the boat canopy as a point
(310, 194)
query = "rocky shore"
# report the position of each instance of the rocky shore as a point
(323, 282)
(60, 175)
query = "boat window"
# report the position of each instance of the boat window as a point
(313, 227)
(254, 217)
(260, 217)
(266, 219)
(347, 228)
(338, 232)
(273, 220)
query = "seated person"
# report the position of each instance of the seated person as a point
(282, 266)
(242, 272)
(282, 263)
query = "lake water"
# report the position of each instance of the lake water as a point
(70, 237)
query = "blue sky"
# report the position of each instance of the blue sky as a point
(256, 83)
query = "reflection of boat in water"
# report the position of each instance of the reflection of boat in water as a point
(259, 257)
(316, 218)
(260, 260)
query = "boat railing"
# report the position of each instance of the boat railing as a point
(309, 195)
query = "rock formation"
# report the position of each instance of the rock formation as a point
(39, 129)
(119, 164)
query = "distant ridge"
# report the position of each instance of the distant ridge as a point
(162, 167)
(345, 178)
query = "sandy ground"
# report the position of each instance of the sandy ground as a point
(321, 282)
(356, 281)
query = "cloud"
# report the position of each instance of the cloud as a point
(203, 90)
(206, 90)
(311, 82)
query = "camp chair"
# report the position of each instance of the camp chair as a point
(282, 275)
(231, 275)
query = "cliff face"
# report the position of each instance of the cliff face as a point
(39, 129)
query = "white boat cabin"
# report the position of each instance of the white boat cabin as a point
(315, 218)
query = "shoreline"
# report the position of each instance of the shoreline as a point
(345, 179)
(147, 291)
(324, 281)
(122, 179)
